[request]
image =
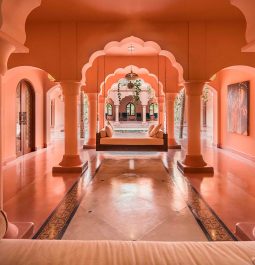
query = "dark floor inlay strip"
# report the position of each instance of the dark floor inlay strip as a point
(210, 223)
(59, 219)
(56, 224)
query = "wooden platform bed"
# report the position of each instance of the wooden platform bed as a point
(131, 144)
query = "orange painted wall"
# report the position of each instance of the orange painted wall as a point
(59, 109)
(39, 80)
(201, 48)
(242, 144)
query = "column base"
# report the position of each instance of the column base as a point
(194, 164)
(73, 169)
(24, 230)
(177, 146)
(245, 231)
(91, 144)
(172, 144)
(19, 230)
(70, 161)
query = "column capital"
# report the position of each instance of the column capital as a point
(92, 96)
(171, 96)
(82, 88)
(161, 99)
(70, 87)
(194, 87)
(101, 99)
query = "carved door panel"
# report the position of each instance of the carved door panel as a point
(24, 119)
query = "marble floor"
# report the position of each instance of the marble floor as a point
(32, 193)
(133, 199)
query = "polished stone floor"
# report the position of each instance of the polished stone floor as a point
(133, 199)
(31, 193)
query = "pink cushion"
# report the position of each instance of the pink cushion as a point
(155, 130)
(160, 134)
(108, 130)
(103, 133)
(151, 128)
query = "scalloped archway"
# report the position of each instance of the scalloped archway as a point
(142, 72)
(142, 48)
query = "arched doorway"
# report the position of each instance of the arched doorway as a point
(25, 118)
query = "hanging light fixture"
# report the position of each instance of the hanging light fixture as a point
(131, 76)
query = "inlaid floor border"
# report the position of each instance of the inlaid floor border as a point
(213, 227)
(210, 223)
(56, 224)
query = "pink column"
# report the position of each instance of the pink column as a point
(71, 161)
(101, 107)
(161, 110)
(82, 115)
(117, 110)
(92, 121)
(170, 98)
(144, 113)
(194, 162)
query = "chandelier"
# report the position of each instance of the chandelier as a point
(131, 75)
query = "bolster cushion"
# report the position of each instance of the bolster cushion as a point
(160, 134)
(151, 128)
(155, 130)
(103, 133)
(108, 130)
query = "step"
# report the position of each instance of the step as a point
(245, 231)
(26, 229)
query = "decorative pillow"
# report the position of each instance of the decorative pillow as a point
(103, 133)
(151, 128)
(110, 125)
(155, 130)
(3, 224)
(108, 130)
(160, 134)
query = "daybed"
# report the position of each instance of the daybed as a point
(65, 252)
(156, 140)
(131, 144)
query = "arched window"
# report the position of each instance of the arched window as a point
(130, 109)
(109, 109)
(153, 108)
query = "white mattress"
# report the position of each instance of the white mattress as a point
(41, 252)
(131, 141)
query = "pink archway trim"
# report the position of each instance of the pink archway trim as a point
(48, 84)
(122, 71)
(247, 7)
(14, 14)
(214, 80)
(233, 67)
(149, 46)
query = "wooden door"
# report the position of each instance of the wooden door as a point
(25, 119)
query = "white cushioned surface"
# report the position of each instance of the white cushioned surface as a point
(65, 252)
(131, 141)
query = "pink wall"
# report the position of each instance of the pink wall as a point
(62, 49)
(238, 143)
(59, 108)
(39, 80)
